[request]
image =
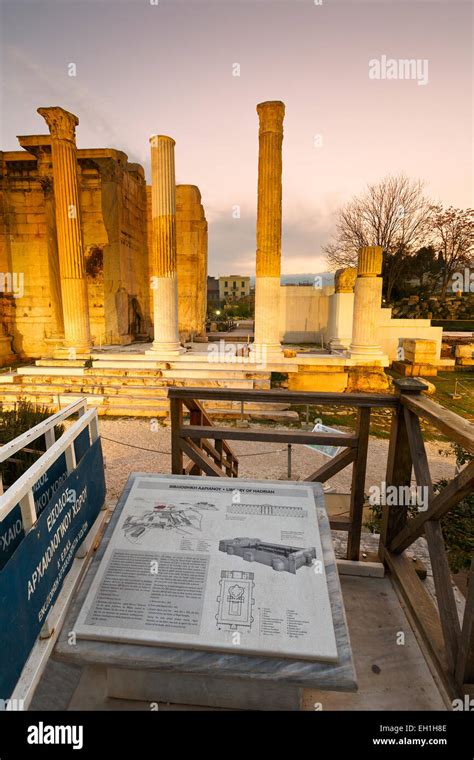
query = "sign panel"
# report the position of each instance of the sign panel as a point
(11, 528)
(327, 451)
(33, 576)
(208, 565)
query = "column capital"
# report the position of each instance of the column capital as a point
(271, 114)
(155, 139)
(370, 261)
(344, 280)
(62, 124)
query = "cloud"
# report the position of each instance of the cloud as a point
(232, 243)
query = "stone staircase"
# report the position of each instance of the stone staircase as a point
(124, 385)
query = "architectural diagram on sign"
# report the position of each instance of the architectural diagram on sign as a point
(235, 600)
(269, 510)
(183, 517)
(277, 556)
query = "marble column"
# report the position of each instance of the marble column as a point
(367, 304)
(267, 283)
(164, 275)
(62, 126)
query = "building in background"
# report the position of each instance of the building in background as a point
(213, 298)
(233, 287)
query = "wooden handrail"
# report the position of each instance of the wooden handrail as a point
(449, 644)
(438, 624)
(447, 422)
(286, 397)
(273, 436)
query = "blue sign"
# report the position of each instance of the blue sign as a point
(11, 528)
(33, 576)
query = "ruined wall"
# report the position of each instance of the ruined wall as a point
(113, 214)
(113, 204)
(28, 251)
(191, 252)
(304, 313)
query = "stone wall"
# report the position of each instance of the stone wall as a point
(113, 214)
(191, 254)
(27, 251)
(304, 313)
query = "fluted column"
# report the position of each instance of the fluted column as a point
(164, 275)
(62, 126)
(267, 283)
(367, 304)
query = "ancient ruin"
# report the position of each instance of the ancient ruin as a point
(116, 262)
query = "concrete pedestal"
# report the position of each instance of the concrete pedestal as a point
(185, 689)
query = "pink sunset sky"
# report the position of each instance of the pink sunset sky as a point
(145, 67)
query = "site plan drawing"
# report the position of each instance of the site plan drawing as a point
(204, 564)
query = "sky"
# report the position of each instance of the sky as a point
(146, 67)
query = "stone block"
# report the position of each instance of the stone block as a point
(407, 369)
(465, 351)
(318, 380)
(417, 350)
(368, 379)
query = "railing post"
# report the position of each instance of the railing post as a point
(358, 482)
(219, 446)
(176, 417)
(195, 418)
(399, 464)
(465, 656)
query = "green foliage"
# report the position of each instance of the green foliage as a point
(458, 524)
(13, 423)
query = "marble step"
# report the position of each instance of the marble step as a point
(210, 372)
(31, 375)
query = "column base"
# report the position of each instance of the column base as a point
(165, 350)
(339, 344)
(71, 352)
(368, 357)
(266, 353)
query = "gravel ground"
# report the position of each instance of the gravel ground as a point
(256, 460)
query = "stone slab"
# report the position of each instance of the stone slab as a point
(337, 676)
(361, 569)
(217, 565)
(177, 688)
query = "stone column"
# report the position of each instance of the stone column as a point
(267, 283)
(164, 276)
(341, 309)
(367, 305)
(62, 126)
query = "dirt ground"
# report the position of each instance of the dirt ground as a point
(134, 445)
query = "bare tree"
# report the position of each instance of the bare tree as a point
(393, 214)
(452, 236)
